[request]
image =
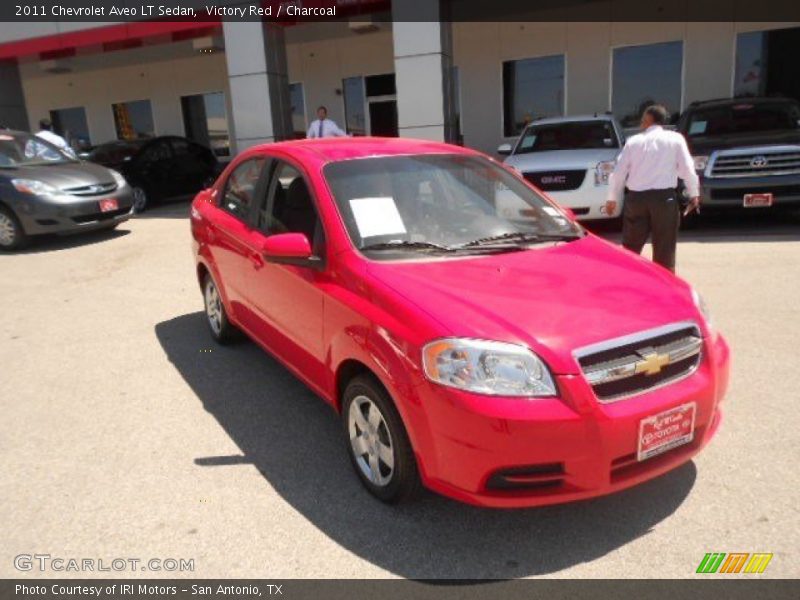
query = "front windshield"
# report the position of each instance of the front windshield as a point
(744, 118)
(577, 135)
(449, 202)
(23, 149)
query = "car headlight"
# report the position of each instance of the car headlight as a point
(485, 367)
(700, 163)
(603, 171)
(702, 307)
(33, 186)
(118, 178)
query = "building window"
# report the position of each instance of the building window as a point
(70, 123)
(205, 121)
(134, 120)
(766, 63)
(645, 75)
(355, 115)
(532, 88)
(298, 101)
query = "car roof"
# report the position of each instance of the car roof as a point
(573, 119)
(345, 148)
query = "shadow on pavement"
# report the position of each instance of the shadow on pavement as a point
(177, 208)
(293, 438)
(52, 243)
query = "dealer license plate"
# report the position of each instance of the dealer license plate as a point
(755, 200)
(109, 204)
(666, 430)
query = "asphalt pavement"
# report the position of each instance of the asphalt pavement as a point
(126, 433)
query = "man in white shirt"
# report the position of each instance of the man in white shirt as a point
(323, 126)
(47, 134)
(649, 166)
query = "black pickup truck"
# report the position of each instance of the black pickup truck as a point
(746, 151)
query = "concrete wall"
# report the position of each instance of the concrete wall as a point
(321, 56)
(161, 82)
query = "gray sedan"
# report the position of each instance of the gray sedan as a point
(44, 190)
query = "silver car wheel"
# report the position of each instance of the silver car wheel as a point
(139, 199)
(8, 230)
(213, 307)
(370, 441)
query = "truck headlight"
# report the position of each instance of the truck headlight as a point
(34, 187)
(700, 163)
(486, 367)
(118, 178)
(603, 171)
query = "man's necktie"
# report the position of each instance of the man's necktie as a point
(319, 134)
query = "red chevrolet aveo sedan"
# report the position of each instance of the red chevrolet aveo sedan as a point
(473, 338)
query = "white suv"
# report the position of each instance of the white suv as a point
(570, 158)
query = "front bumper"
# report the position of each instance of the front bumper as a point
(575, 447)
(729, 192)
(588, 202)
(65, 214)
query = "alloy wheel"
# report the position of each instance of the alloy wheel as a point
(370, 441)
(213, 307)
(8, 230)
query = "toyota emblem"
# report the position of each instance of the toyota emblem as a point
(759, 162)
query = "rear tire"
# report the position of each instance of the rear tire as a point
(378, 445)
(217, 318)
(12, 235)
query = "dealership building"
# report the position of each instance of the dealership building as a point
(235, 84)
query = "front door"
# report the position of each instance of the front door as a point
(287, 299)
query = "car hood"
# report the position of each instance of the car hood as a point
(64, 176)
(704, 145)
(561, 159)
(555, 298)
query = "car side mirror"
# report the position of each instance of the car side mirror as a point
(287, 248)
(504, 149)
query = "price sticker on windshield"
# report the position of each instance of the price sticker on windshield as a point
(377, 216)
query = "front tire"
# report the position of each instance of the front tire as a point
(379, 448)
(12, 235)
(217, 318)
(140, 200)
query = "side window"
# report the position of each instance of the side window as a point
(240, 188)
(155, 152)
(290, 208)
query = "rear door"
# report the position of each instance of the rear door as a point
(231, 228)
(193, 166)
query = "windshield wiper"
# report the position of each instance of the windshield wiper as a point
(404, 244)
(521, 236)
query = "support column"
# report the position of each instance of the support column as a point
(423, 64)
(13, 113)
(255, 54)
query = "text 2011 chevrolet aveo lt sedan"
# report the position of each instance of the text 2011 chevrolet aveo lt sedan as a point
(473, 338)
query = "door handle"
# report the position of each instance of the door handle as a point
(257, 260)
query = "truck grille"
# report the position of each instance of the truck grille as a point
(96, 189)
(783, 160)
(556, 181)
(634, 364)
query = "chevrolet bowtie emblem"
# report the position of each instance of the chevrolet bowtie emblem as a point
(652, 363)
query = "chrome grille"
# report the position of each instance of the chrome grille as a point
(95, 189)
(755, 162)
(635, 364)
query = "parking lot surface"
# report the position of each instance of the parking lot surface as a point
(128, 433)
